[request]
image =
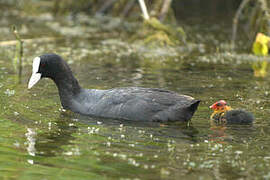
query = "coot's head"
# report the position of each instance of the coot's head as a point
(48, 65)
(220, 105)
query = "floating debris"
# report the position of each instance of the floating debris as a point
(9, 92)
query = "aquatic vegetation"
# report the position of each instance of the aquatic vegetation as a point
(17, 62)
(255, 15)
(154, 32)
(260, 48)
(260, 45)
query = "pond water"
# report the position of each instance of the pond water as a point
(39, 140)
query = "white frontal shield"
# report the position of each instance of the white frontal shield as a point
(35, 75)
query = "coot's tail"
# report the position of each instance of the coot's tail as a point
(185, 113)
(179, 112)
(194, 105)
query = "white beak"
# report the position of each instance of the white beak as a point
(35, 75)
(34, 79)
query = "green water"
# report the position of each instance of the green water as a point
(38, 140)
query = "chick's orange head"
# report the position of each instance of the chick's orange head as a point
(219, 105)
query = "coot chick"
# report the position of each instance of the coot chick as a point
(223, 113)
(130, 103)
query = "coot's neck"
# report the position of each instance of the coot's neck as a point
(68, 87)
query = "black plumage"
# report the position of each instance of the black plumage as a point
(130, 103)
(239, 116)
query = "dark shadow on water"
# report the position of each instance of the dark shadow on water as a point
(173, 130)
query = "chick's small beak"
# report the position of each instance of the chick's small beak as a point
(212, 106)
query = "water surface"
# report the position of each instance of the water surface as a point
(39, 140)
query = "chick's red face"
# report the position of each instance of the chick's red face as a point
(219, 105)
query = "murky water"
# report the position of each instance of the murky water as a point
(38, 140)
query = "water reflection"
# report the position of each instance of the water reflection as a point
(31, 141)
(224, 133)
(174, 130)
(50, 142)
(260, 68)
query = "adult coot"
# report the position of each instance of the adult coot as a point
(130, 103)
(223, 113)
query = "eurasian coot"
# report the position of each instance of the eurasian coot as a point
(223, 113)
(130, 103)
